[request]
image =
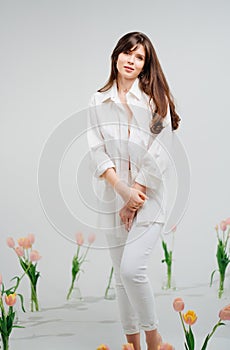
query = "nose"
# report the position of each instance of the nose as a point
(131, 59)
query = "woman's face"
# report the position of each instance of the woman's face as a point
(131, 63)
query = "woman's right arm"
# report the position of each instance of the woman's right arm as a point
(133, 197)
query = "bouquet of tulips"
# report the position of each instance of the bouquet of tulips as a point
(28, 258)
(78, 259)
(222, 253)
(7, 317)
(190, 318)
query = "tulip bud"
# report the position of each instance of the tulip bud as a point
(34, 255)
(178, 304)
(79, 238)
(224, 314)
(223, 225)
(128, 346)
(24, 242)
(31, 238)
(10, 242)
(19, 251)
(91, 238)
(10, 299)
(227, 221)
(103, 347)
(190, 317)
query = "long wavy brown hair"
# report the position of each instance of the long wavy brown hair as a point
(151, 80)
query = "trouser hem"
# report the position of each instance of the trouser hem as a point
(143, 328)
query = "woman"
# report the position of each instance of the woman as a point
(131, 120)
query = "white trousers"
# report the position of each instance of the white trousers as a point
(130, 253)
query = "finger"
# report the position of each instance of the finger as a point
(142, 195)
(130, 224)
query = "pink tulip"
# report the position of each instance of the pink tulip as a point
(10, 242)
(31, 238)
(223, 225)
(91, 238)
(224, 314)
(0, 279)
(34, 255)
(178, 304)
(128, 346)
(227, 221)
(79, 238)
(19, 251)
(173, 229)
(166, 346)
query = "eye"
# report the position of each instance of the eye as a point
(141, 58)
(127, 52)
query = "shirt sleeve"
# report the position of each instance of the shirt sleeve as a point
(157, 158)
(100, 160)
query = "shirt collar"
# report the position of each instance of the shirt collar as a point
(112, 93)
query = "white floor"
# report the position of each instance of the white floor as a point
(87, 324)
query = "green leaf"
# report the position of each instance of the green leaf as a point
(204, 347)
(212, 275)
(22, 302)
(186, 347)
(192, 340)
(17, 283)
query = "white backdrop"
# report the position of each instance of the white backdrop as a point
(54, 55)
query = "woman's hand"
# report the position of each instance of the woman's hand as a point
(133, 197)
(127, 216)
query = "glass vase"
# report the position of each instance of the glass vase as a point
(110, 293)
(75, 295)
(34, 306)
(169, 281)
(223, 287)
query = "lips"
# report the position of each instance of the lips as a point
(130, 69)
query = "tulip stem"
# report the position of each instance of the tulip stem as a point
(70, 290)
(34, 299)
(5, 342)
(205, 344)
(109, 284)
(182, 322)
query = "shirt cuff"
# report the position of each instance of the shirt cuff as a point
(101, 168)
(148, 179)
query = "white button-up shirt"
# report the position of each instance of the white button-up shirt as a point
(132, 150)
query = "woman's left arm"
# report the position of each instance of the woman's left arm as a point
(156, 159)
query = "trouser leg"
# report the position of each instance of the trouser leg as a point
(133, 273)
(128, 315)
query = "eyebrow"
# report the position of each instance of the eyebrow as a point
(134, 49)
(139, 54)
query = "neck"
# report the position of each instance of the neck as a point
(124, 85)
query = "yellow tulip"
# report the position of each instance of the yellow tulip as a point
(10, 299)
(103, 347)
(190, 317)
